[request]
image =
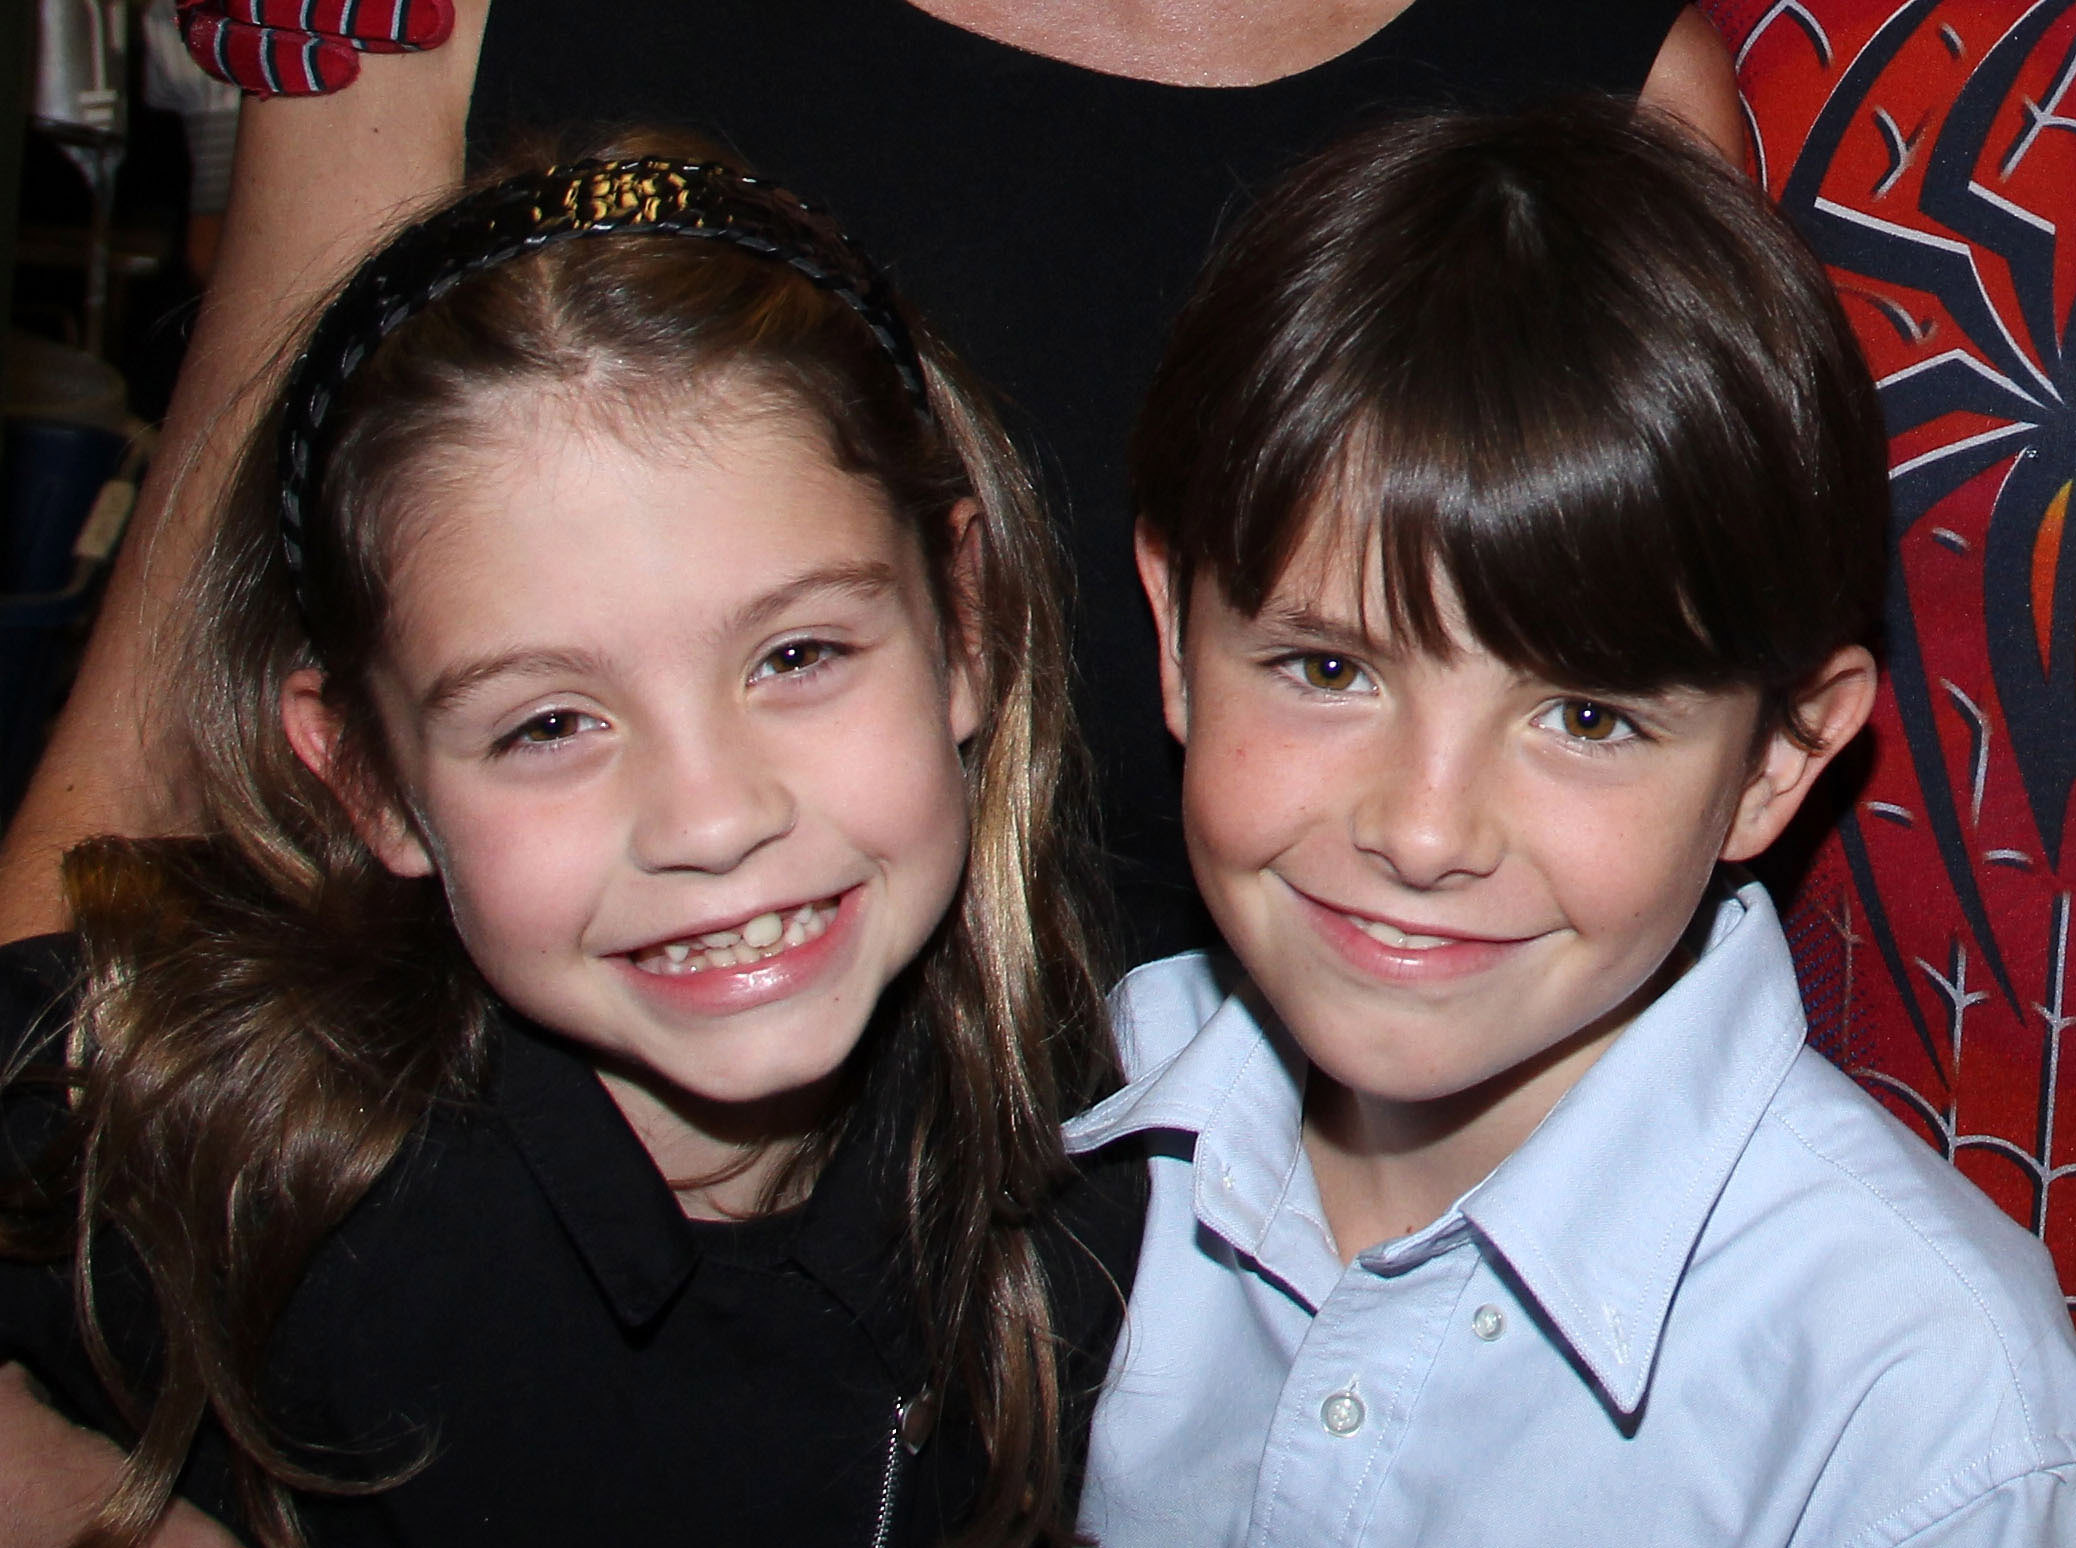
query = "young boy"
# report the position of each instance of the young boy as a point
(1513, 509)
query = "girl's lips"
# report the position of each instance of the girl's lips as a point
(713, 977)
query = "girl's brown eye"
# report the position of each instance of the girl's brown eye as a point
(1330, 672)
(1589, 721)
(798, 656)
(554, 726)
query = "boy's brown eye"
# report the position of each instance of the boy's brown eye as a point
(1588, 721)
(1330, 672)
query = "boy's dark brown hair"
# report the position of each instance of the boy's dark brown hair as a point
(1567, 363)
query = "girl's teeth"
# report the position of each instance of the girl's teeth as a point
(757, 940)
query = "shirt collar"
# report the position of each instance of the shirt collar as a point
(1238, 1087)
(1597, 1213)
(617, 1210)
(624, 1221)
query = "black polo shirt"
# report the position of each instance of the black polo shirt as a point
(521, 1298)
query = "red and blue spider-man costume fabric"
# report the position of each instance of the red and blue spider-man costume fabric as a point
(1928, 152)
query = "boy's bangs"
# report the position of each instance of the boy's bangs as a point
(1555, 553)
(1570, 369)
(1560, 535)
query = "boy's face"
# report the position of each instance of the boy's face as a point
(1445, 872)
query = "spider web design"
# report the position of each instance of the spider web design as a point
(1926, 150)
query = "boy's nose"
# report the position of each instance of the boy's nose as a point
(1425, 812)
(706, 803)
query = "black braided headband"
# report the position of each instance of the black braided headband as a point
(587, 198)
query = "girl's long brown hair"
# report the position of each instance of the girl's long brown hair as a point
(268, 1016)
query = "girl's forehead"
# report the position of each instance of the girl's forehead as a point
(585, 531)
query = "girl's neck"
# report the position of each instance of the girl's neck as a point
(719, 1159)
(1176, 42)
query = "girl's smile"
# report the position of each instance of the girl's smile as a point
(677, 728)
(769, 958)
(749, 942)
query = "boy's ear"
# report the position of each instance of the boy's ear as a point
(1835, 704)
(313, 728)
(1157, 575)
(966, 665)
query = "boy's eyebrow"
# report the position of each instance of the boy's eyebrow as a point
(1299, 618)
(861, 578)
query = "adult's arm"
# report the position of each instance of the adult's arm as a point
(314, 182)
(1694, 79)
(54, 1476)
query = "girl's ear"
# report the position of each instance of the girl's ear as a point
(1157, 575)
(314, 728)
(1834, 705)
(963, 639)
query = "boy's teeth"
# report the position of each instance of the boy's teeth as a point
(1390, 935)
(754, 941)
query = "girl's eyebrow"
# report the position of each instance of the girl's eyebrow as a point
(462, 679)
(864, 579)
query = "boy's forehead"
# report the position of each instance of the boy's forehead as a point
(1336, 583)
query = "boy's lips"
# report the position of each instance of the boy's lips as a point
(1408, 934)
(1402, 948)
(747, 942)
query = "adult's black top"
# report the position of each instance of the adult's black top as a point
(1048, 219)
(521, 1293)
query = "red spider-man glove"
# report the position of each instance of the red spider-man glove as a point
(305, 48)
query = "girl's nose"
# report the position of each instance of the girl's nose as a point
(706, 801)
(1425, 810)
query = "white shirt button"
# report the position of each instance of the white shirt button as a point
(1488, 1322)
(1342, 1413)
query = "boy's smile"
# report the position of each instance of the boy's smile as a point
(1454, 882)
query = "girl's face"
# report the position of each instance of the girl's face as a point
(674, 724)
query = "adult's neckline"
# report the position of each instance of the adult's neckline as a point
(1122, 66)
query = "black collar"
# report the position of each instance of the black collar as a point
(618, 1211)
(624, 1222)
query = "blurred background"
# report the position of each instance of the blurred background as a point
(114, 162)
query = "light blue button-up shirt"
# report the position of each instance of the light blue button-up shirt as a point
(1717, 1297)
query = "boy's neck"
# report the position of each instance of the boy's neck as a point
(1387, 1169)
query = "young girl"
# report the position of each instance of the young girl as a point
(1513, 508)
(599, 1076)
